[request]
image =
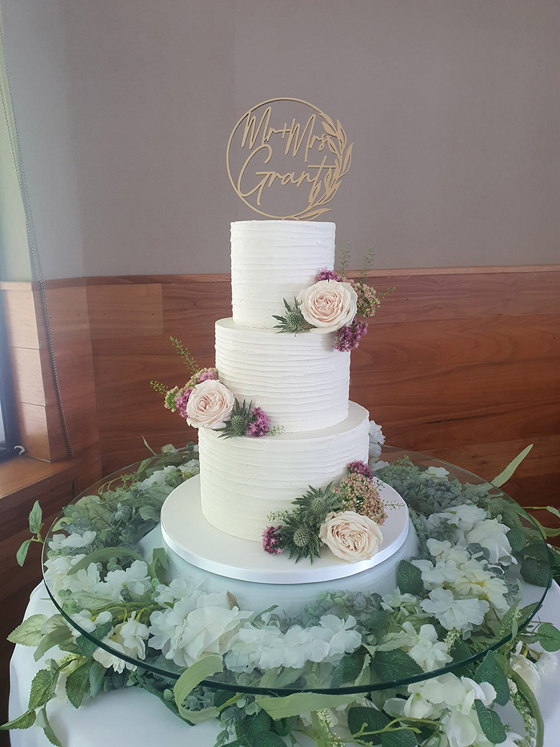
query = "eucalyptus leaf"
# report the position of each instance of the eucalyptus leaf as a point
(490, 723)
(22, 552)
(490, 670)
(409, 579)
(24, 721)
(549, 637)
(29, 632)
(86, 646)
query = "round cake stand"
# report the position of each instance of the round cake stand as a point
(189, 535)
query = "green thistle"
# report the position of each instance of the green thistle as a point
(293, 321)
(240, 419)
(301, 525)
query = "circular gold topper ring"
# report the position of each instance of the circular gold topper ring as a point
(324, 183)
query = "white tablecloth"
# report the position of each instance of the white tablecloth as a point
(133, 718)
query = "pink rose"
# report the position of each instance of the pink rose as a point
(328, 305)
(351, 536)
(210, 405)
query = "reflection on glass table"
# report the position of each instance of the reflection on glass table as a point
(474, 569)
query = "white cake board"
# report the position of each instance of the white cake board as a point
(188, 534)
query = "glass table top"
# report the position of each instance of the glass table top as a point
(141, 609)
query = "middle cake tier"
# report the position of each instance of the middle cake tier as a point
(243, 479)
(300, 381)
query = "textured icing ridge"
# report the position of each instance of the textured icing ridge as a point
(244, 479)
(300, 381)
(272, 260)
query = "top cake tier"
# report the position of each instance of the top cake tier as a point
(272, 260)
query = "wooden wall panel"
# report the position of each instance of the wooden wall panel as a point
(463, 364)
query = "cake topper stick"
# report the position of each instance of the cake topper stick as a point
(287, 152)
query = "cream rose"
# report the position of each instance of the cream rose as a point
(351, 536)
(328, 305)
(210, 405)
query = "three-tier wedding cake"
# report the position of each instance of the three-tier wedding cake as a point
(300, 380)
(284, 474)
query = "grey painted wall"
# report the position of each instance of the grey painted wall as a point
(125, 107)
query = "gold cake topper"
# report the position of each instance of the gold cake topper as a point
(279, 148)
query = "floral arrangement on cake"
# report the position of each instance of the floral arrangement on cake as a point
(346, 519)
(434, 635)
(204, 402)
(334, 303)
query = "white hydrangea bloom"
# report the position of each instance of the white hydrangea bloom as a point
(135, 579)
(75, 540)
(57, 570)
(196, 626)
(547, 663)
(453, 613)
(427, 651)
(398, 601)
(375, 433)
(157, 478)
(463, 517)
(492, 535)
(267, 647)
(191, 468)
(376, 465)
(86, 579)
(475, 581)
(177, 589)
(128, 638)
(86, 621)
(440, 472)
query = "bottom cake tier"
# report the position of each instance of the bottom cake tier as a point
(243, 480)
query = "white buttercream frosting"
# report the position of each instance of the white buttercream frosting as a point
(272, 260)
(244, 479)
(300, 381)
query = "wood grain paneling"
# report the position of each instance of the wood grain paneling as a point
(138, 311)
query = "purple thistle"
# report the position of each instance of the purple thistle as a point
(349, 337)
(181, 402)
(271, 540)
(360, 468)
(325, 274)
(259, 424)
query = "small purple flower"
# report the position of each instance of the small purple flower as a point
(181, 402)
(325, 274)
(271, 540)
(349, 337)
(259, 424)
(360, 468)
(209, 373)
